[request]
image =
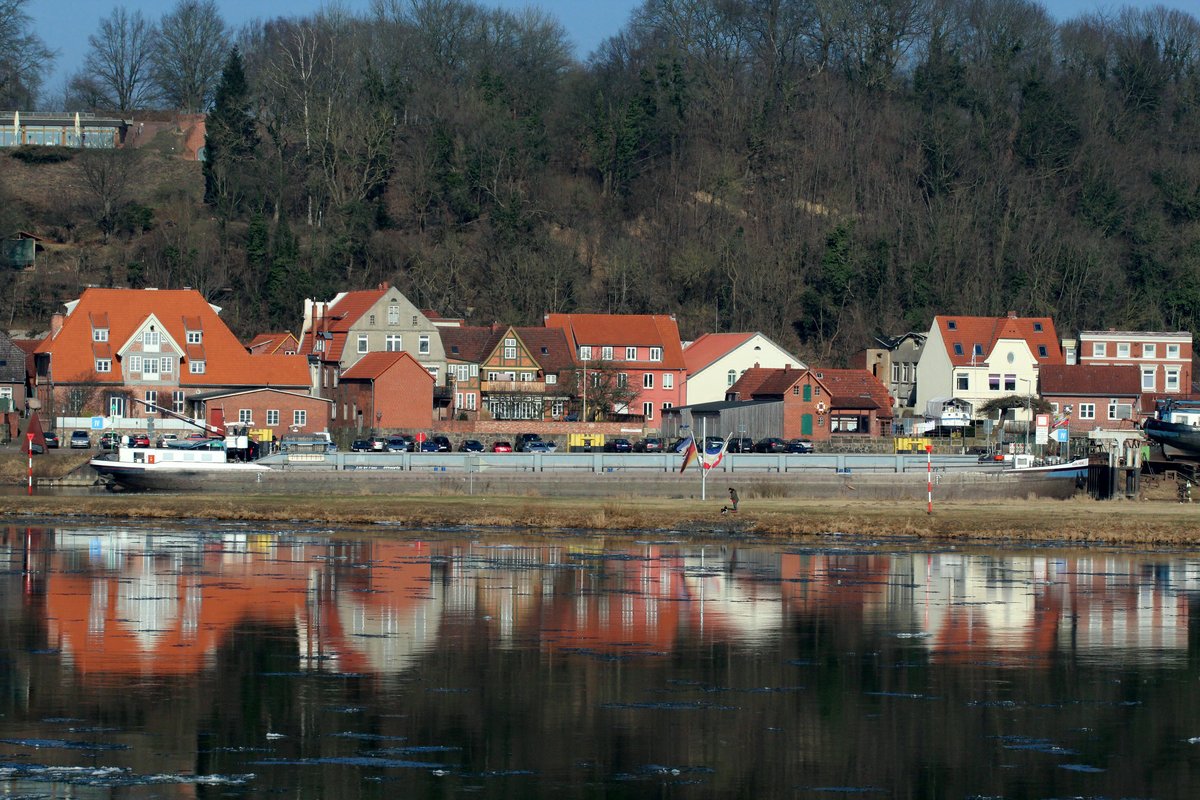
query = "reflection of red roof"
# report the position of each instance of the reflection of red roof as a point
(967, 332)
(711, 346)
(125, 311)
(623, 330)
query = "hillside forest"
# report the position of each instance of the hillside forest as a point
(822, 171)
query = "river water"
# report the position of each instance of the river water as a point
(225, 661)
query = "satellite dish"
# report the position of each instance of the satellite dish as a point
(33, 403)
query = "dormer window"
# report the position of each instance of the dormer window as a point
(196, 367)
(99, 334)
(606, 353)
(656, 354)
(585, 352)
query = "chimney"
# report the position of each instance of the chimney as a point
(383, 286)
(1012, 315)
(56, 323)
(785, 366)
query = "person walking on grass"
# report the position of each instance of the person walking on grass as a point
(733, 498)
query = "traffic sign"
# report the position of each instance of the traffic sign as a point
(420, 437)
(97, 423)
(1062, 435)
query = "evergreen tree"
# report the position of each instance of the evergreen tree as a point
(231, 142)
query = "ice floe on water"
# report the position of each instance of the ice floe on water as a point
(63, 744)
(110, 776)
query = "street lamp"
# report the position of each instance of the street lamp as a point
(585, 390)
(1028, 410)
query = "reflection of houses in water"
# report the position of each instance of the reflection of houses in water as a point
(121, 603)
(968, 605)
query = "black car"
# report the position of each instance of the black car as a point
(428, 446)
(443, 444)
(799, 446)
(361, 446)
(771, 444)
(648, 445)
(471, 446)
(741, 445)
(400, 444)
(51, 439)
(618, 446)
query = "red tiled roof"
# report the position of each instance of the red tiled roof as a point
(748, 384)
(226, 362)
(338, 318)
(372, 365)
(711, 346)
(266, 343)
(985, 331)
(779, 381)
(1085, 379)
(855, 389)
(548, 347)
(623, 330)
(470, 343)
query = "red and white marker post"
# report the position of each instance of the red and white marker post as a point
(30, 463)
(929, 477)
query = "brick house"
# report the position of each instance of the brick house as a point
(1163, 360)
(354, 324)
(645, 348)
(509, 373)
(1094, 396)
(116, 347)
(12, 376)
(820, 404)
(282, 343)
(971, 360)
(716, 360)
(384, 392)
(281, 412)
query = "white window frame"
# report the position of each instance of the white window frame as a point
(606, 353)
(631, 354)
(178, 401)
(656, 354)
(551, 379)
(1149, 350)
(510, 352)
(648, 380)
(362, 343)
(731, 377)
(1099, 350)
(668, 381)
(1171, 381)
(166, 365)
(1087, 411)
(394, 343)
(135, 364)
(196, 367)
(99, 334)
(585, 352)
(423, 344)
(1123, 350)
(245, 416)
(393, 315)
(150, 365)
(300, 417)
(962, 382)
(151, 341)
(103, 365)
(1149, 379)
(1173, 351)
(648, 410)
(195, 337)
(151, 397)
(272, 417)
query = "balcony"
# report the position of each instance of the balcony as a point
(513, 387)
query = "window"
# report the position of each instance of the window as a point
(195, 337)
(731, 377)
(656, 354)
(103, 365)
(622, 380)
(606, 353)
(796, 390)
(461, 372)
(668, 380)
(895, 373)
(166, 366)
(551, 379)
(1070, 355)
(135, 363)
(393, 343)
(116, 406)
(559, 408)
(196, 367)
(1037, 327)
(648, 410)
(99, 334)
(245, 416)
(150, 368)
(150, 340)
(978, 350)
(371, 320)
(958, 348)
(431, 370)
(362, 343)
(1172, 351)
(1042, 352)
(151, 402)
(962, 381)
(1099, 349)
(1172, 380)
(1149, 379)
(993, 383)
(1123, 350)
(393, 315)
(474, 370)
(1149, 351)
(1054, 408)
(300, 417)
(471, 401)
(526, 376)
(1087, 410)
(631, 354)
(951, 325)
(177, 400)
(272, 416)
(423, 344)
(510, 350)
(1010, 383)
(458, 399)
(665, 406)
(648, 380)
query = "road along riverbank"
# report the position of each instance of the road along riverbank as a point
(1079, 520)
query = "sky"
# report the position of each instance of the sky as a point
(66, 24)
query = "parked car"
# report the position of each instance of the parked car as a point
(471, 446)
(110, 440)
(679, 445)
(51, 439)
(166, 439)
(399, 444)
(361, 446)
(429, 446)
(80, 440)
(443, 444)
(741, 445)
(537, 446)
(524, 439)
(648, 445)
(139, 440)
(618, 446)
(799, 446)
(502, 447)
(771, 444)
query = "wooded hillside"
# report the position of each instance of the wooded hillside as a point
(819, 170)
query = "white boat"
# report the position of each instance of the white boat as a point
(202, 466)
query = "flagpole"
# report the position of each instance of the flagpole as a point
(704, 460)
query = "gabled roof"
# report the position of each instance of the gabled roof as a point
(855, 389)
(267, 343)
(125, 310)
(470, 343)
(548, 347)
(372, 365)
(28, 347)
(12, 361)
(337, 320)
(623, 330)
(710, 347)
(892, 342)
(751, 380)
(986, 331)
(1122, 380)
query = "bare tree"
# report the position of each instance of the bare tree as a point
(190, 51)
(107, 176)
(24, 57)
(119, 60)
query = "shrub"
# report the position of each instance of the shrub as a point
(41, 154)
